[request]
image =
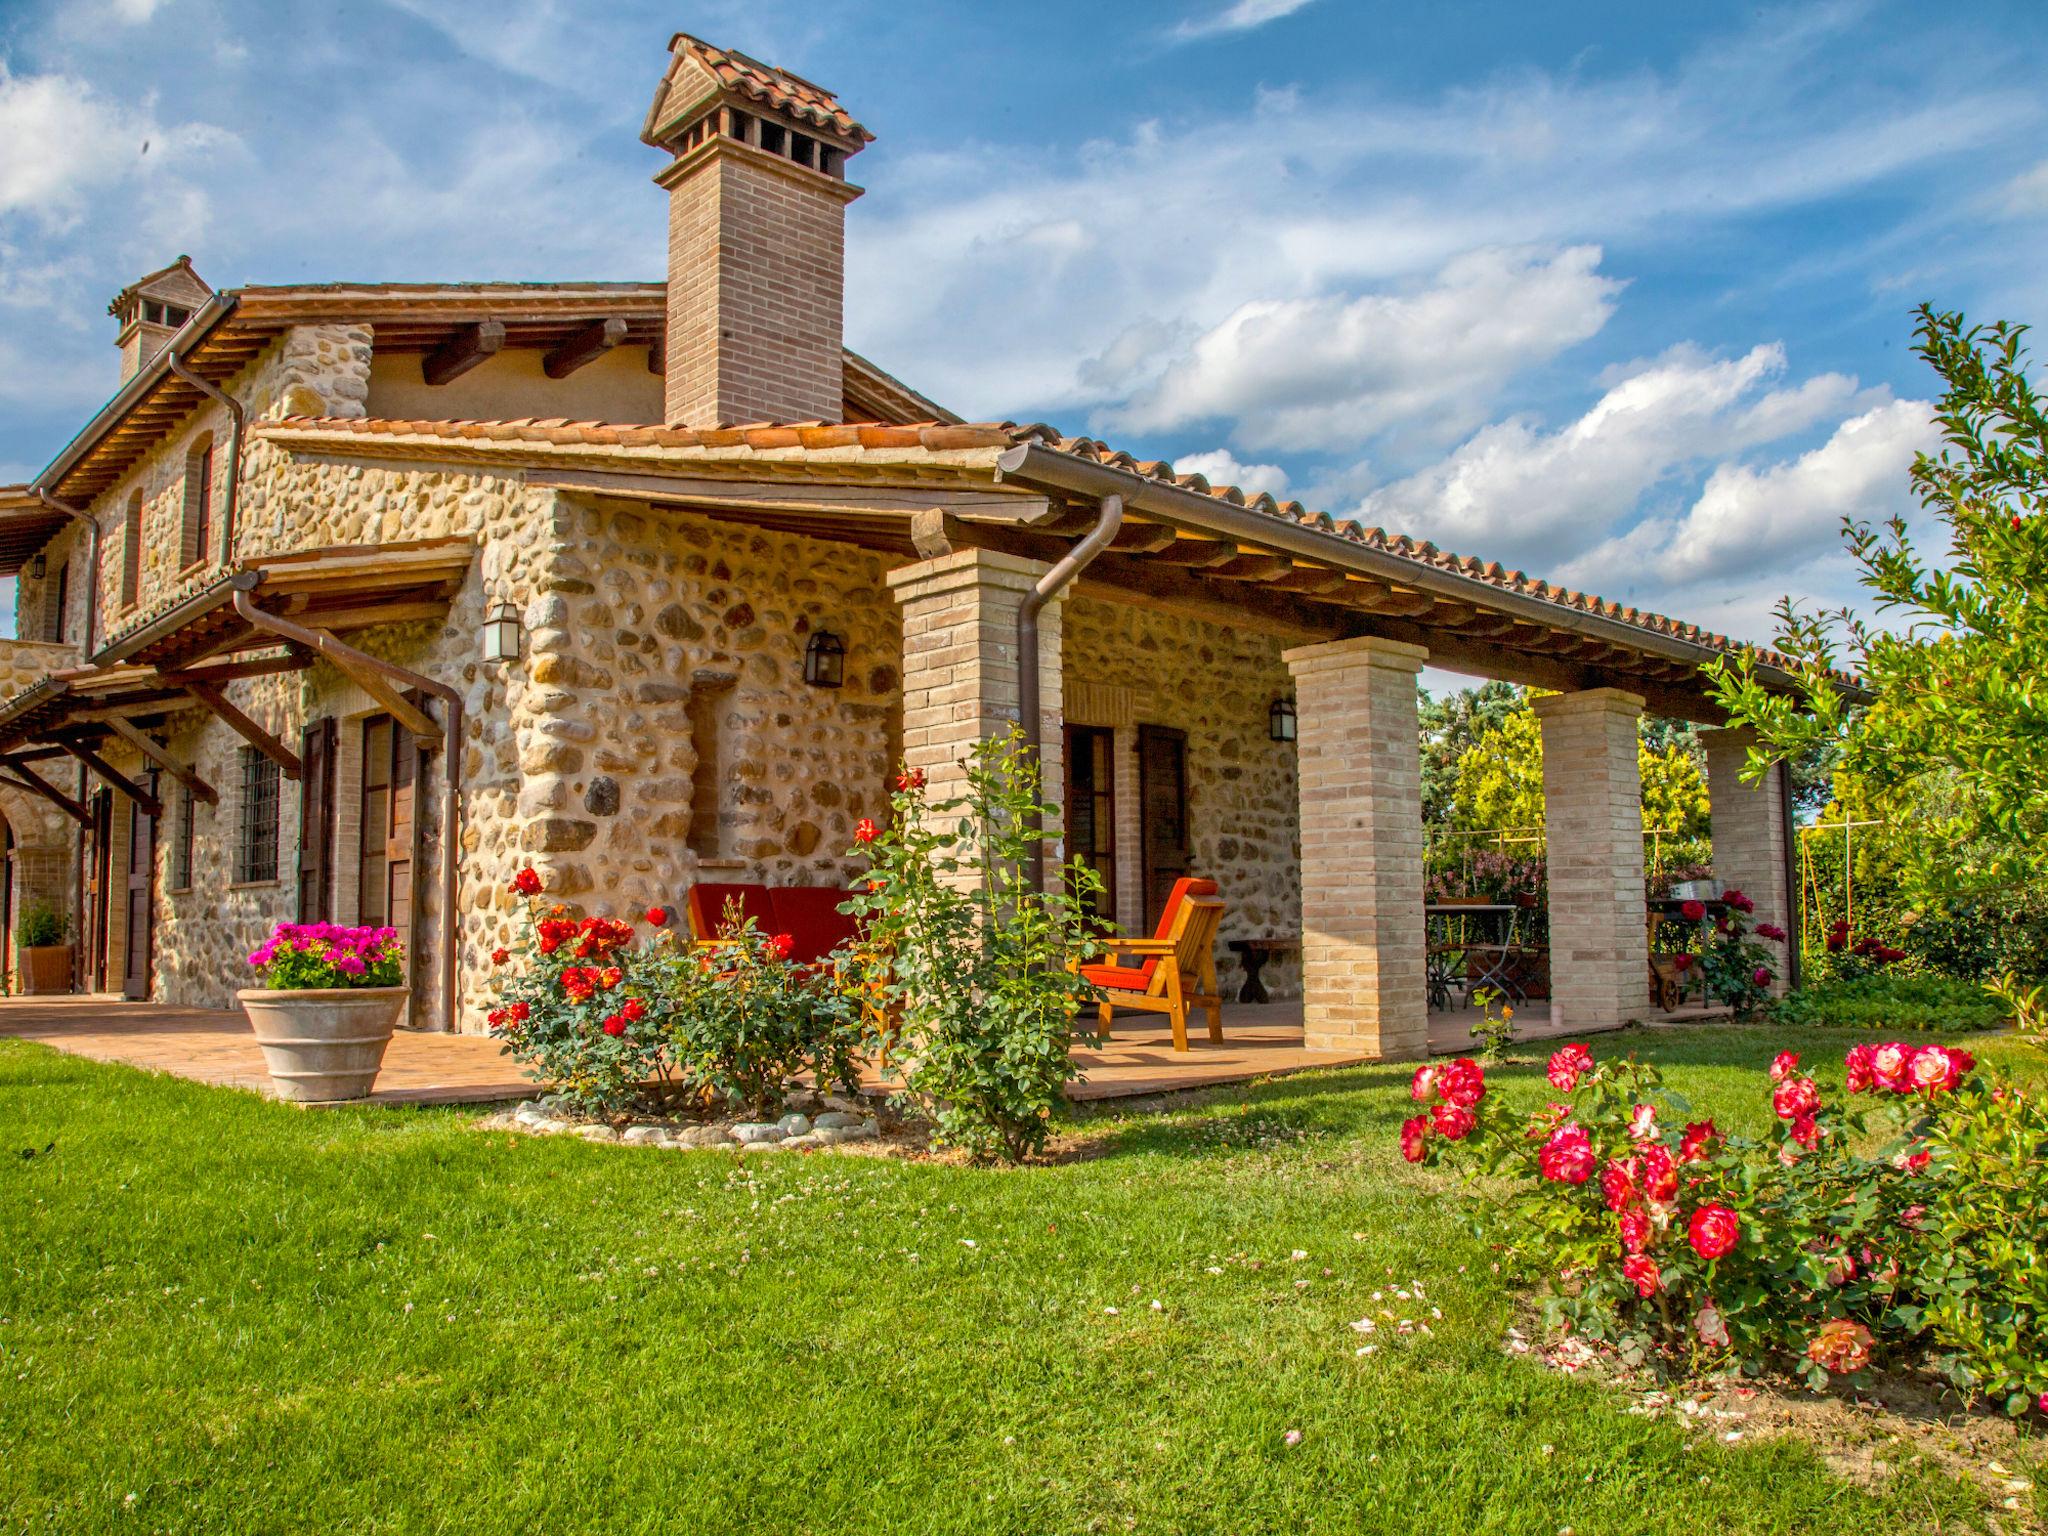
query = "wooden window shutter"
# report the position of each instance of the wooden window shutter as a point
(58, 597)
(195, 533)
(316, 821)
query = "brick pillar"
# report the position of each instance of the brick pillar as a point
(1593, 832)
(1363, 980)
(960, 667)
(1749, 833)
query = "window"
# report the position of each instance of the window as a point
(181, 847)
(256, 848)
(196, 536)
(131, 553)
(156, 312)
(59, 597)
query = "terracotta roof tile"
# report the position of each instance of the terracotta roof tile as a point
(789, 94)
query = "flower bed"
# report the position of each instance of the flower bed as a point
(1678, 1244)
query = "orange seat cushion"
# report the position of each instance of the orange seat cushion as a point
(1121, 978)
(810, 915)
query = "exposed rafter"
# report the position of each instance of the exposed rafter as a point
(585, 346)
(463, 351)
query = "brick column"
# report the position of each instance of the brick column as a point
(1749, 833)
(960, 667)
(1363, 965)
(1593, 831)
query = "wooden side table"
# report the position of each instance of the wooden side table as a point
(1253, 954)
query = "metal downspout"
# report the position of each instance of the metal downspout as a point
(240, 416)
(451, 757)
(1109, 519)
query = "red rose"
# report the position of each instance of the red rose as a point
(1913, 1162)
(1618, 1184)
(1795, 1096)
(1566, 1067)
(1713, 1231)
(1642, 1122)
(615, 1024)
(1692, 1146)
(1770, 931)
(1567, 1158)
(1806, 1131)
(865, 830)
(1761, 976)
(500, 956)
(1783, 1065)
(495, 1018)
(783, 945)
(1738, 901)
(1462, 1083)
(526, 882)
(657, 917)
(910, 778)
(1453, 1122)
(1888, 1065)
(1693, 911)
(1422, 1086)
(1660, 1174)
(1641, 1270)
(1861, 1078)
(1635, 1231)
(521, 1011)
(634, 1011)
(1936, 1069)
(1681, 963)
(1415, 1138)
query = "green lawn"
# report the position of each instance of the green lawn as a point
(219, 1314)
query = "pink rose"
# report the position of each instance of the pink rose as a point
(1841, 1347)
(1861, 1077)
(1453, 1122)
(1567, 1158)
(1888, 1065)
(1641, 1270)
(1783, 1065)
(1462, 1083)
(1795, 1096)
(1710, 1326)
(1618, 1184)
(1933, 1069)
(1415, 1138)
(1634, 1227)
(1423, 1087)
(1642, 1123)
(1806, 1131)
(1713, 1231)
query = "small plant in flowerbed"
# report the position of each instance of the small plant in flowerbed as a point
(977, 970)
(1894, 1000)
(1683, 1247)
(304, 957)
(1494, 1032)
(742, 1021)
(1736, 968)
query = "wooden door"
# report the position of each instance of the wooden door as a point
(1162, 813)
(1091, 808)
(316, 822)
(101, 886)
(390, 764)
(138, 890)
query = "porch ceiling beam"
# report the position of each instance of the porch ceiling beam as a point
(151, 806)
(1250, 566)
(35, 783)
(1193, 553)
(365, 671)
(1311, 580)
(244, 727)
(159, 754)
(585, 346)
(716, 493)
(463, 351)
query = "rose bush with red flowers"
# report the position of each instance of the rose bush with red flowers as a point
(616, 1025)
(1804, 1251)
(1735, 968)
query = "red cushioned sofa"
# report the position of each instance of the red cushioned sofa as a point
(809, 914)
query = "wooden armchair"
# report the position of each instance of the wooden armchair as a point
(1171, 972)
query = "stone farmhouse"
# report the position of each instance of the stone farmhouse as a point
(355, 597)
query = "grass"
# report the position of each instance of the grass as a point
(220, 1313)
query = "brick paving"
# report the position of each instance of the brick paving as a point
(214, 1046)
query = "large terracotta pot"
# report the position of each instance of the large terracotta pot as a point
(45, 968)
(323, 1044)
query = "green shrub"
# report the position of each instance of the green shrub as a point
(39, 926)
(978, 970)
(1892, 1001)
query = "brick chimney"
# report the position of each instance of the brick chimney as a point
(757, 196)
(150, 310)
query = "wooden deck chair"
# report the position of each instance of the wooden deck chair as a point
(1171, 972)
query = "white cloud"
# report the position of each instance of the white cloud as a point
(2028, 192)
(134, 12)
(1750, 520)
(65, 143)
(1523, 494)
(1329, 370)
(1241, 16)
(1220, 467)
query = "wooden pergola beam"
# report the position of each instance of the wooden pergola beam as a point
(244, 727)
(159, 754)
(463, 351)
(35, 783)
(151, 806)
(584, 346)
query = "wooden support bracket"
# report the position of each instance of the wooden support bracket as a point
(157, 753)
(244, 727)
(585, 346)
(151, 806)
(463, 352)
(35, 783)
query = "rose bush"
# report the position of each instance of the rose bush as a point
(1671, 1239)
(1737, 969)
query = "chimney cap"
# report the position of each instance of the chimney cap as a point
(177, 283)
(700, 73)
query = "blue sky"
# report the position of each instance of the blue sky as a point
(1615, 293)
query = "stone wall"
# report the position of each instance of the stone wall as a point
(1128, 665)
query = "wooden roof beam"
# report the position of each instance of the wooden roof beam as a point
(157, 753)
(463, 351)
(244, 727)
(151, 806)
(35, 783)
(585, 346)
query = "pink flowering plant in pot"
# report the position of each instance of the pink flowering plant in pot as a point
(324, 1003)
(1836, 1243)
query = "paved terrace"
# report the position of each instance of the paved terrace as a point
(214, 1046)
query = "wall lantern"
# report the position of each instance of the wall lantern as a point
(39, 567)
(1280, 720)
(825, 660)
(503, 631)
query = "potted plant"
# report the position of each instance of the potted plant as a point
(325, 1003)
(40, 942)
